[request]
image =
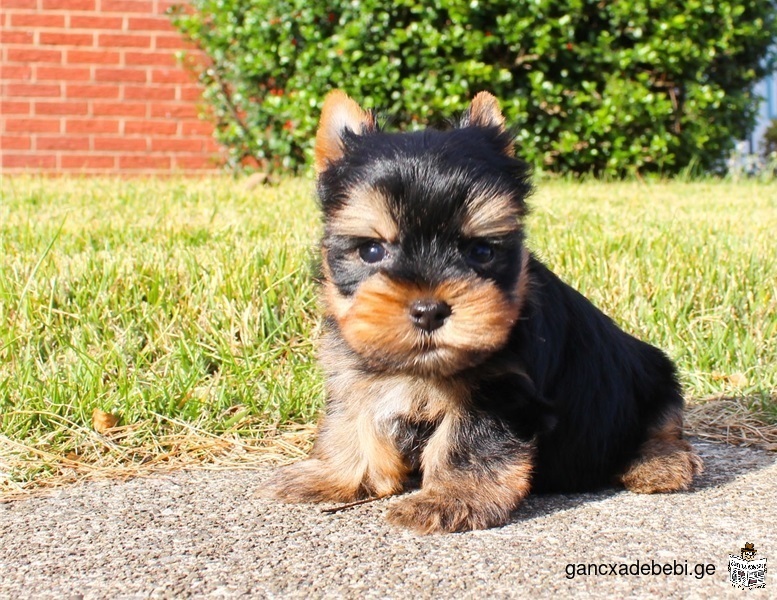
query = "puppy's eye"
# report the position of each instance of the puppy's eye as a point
(480, 253)
(372, 252)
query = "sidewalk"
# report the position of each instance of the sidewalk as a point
(206, 534)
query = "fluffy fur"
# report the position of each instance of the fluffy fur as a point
(451, 353)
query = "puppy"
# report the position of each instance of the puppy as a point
(451, 353)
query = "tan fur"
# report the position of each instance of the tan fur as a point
(459, 500)
(488, 215)
(355, 454)
(484, 111)
(338, 113)
(666, 462)
(358, 449)
(335, 304)
(376, 322)
(367, 215)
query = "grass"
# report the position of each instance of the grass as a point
(188, 309)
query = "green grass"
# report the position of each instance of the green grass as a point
(191, 302)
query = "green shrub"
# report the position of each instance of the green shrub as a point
(604, 87)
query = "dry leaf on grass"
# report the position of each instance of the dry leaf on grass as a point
(103, 421)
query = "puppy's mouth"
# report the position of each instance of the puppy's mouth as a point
(438, 331)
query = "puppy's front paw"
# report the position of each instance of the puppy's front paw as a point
(434, 512)
(309, 481)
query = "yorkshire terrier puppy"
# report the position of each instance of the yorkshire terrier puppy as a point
(452, 354)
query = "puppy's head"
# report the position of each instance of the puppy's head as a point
(422, 248)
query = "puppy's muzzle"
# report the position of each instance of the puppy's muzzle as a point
(429, 315)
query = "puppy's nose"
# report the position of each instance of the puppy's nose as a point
(429, 314)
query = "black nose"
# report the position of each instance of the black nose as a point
(429, 314)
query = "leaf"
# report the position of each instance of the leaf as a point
(102, 422)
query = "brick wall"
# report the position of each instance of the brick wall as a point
(93, 86)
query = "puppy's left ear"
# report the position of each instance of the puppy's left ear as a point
(340, 113)
(484, 111)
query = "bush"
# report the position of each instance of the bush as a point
(604, 87)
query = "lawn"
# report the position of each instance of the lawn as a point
(187, 308)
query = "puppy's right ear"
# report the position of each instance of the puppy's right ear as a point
(485, 112)
(339, 113)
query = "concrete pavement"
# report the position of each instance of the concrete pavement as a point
(206, 533)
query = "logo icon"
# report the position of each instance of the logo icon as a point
(746, 571)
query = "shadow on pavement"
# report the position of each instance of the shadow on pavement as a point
(723, 464)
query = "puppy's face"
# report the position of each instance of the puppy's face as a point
(422, 250)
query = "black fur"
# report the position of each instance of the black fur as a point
(604, 387)
(427, 176)
(586, 392)
(450, 352)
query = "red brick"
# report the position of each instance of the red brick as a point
(174, 111)
(125, 144)
(195, 60)
(7, 4)
(91, 126)
(120, 75)
(189, 93)
(150, 58)
(38, 20)
(16, 37)
(8, 72)
(63, 73)
(160, 23)
(148, 92)
(62, 108)
(13, 107)
(195, 162)
(119, 109)
(147, 127)
(27, 125)
(173, 41)
(121, 40)
(92, 22)
(34, 55)
(210, 145)
(32, 90)
(176, 145)
(28, 161)
(49, 38)
(92, 91)
(15, 142)
(144, 162)
(164, 5)
(196, 128)
(127, 6)
(87, 161)
(93, 57)
(170, 76)
(61, 143)
(68, 4)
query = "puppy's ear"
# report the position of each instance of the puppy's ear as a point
(340, 113)
(484, 111)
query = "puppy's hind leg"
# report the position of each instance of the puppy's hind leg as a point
(666, 462)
